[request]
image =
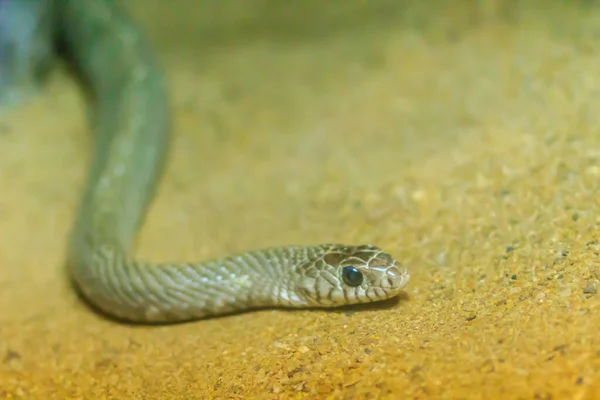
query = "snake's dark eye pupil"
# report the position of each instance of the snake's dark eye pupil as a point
(352, 276)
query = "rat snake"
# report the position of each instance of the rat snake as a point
(131, 122)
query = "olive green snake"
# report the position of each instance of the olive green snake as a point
(131, 124)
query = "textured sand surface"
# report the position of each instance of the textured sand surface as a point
(464, 140)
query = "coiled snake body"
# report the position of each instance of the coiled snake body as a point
(131, 123)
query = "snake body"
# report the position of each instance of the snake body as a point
(131, 125)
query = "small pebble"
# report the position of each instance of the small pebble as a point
(589, 288)
(575, 217)
(303, 349)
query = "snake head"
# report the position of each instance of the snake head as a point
(342, 275)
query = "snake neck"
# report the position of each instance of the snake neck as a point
(142, 291)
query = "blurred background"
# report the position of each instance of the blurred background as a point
(462, 137)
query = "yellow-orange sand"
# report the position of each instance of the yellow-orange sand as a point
(463, 137)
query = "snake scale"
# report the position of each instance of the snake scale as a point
(131, 123)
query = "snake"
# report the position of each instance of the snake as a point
(131, 122)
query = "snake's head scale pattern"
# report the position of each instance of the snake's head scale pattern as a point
(349, 275)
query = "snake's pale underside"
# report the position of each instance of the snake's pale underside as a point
(132, 122)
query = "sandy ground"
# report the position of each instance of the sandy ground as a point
(462, 139)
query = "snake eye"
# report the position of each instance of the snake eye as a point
(352, 276)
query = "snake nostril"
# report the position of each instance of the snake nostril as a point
(390, 282)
